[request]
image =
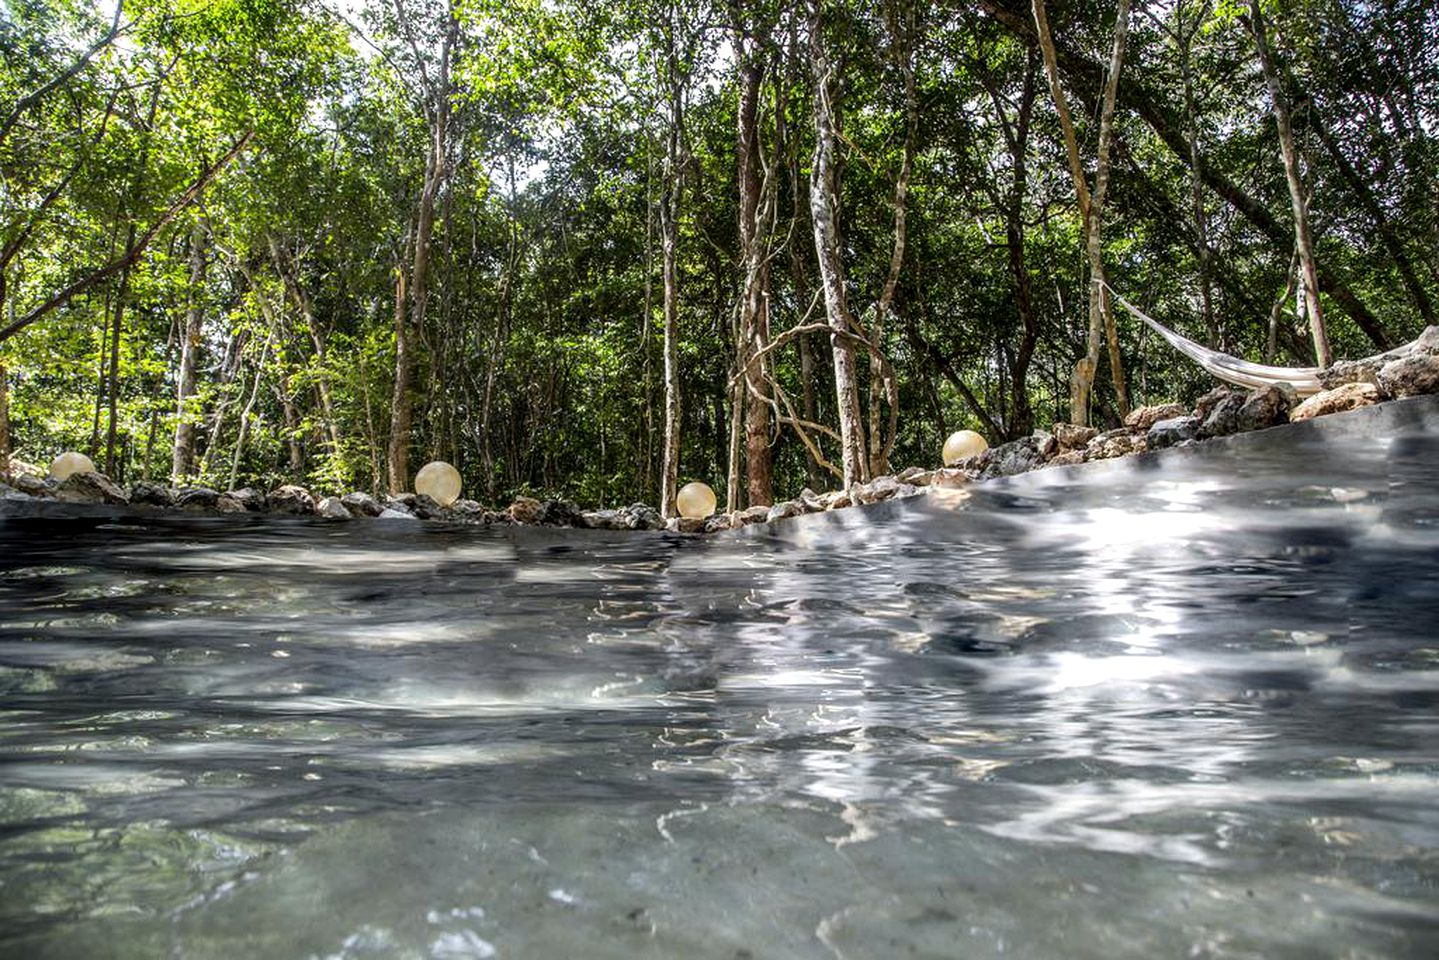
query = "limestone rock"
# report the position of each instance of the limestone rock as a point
(1351, 371)
(1072, 436)
(1067, 458)
(758, 513)
(31, 485)
(837, 499)
(227, 503)
(880, 488)
(1167, 433)
(911, 475)
(1206, 404)
(525, 510)
(1265, 406)
(1410, 376)
(361, 504)
(601, 520)
(718, 522)
(810, 501)
(784, 511)
(87, 487)
(393, 513)
(1428, 342)
(1222, 417)
(560, 513)
(468, 511)
(1115, 443)
(1142, 418)
(424, 507)
(1349, 396)
(686, 525)
(196, 498)
(292, 499)
(151, 494)
(1008, 459)
(333, 508)
(641, 516)
(950, 478)
(248, 497)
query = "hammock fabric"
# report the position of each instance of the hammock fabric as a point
(1304, 380)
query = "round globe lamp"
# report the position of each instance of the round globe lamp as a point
(695, 500)
(961, 445)
(70, 462)
(439, 481)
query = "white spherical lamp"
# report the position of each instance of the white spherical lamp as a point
(439, 481)
(695, 500)
(70, 462)
(961, 445)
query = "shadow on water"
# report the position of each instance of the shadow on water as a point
(1182, 703)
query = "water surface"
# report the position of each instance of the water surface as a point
(1184, 705)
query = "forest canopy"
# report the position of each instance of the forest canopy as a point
(594, 250)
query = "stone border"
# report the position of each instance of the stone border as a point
(1221, 412)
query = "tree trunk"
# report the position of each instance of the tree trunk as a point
(182, 463)
(1302, 238)
(753, 331)
(1091, 208)
(112, 467)
(824, 209)
(436, 171)
(4, 421)
(669, 253)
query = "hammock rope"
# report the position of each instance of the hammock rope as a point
(1304, 380)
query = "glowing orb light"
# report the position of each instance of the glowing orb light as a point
(67, 463)
(962, 445)
(439, 481)
(695, 500)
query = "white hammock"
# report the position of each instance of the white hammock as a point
(1304, 380)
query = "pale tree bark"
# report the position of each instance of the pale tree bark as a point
(410, 318)
(824, 214)
(669, 254)
(1302, 238)
(4, 421)
(182, 462)
(1091, 209)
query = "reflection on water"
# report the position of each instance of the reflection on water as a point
(1124, 711)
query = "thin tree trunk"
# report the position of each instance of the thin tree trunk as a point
(1091, 208)
(113, 389)
(824, 210)
(753, 332)
(669, 252)
(182, 463)
(4, 421)
(436, 171)
(249, 409)
(1302, 238)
